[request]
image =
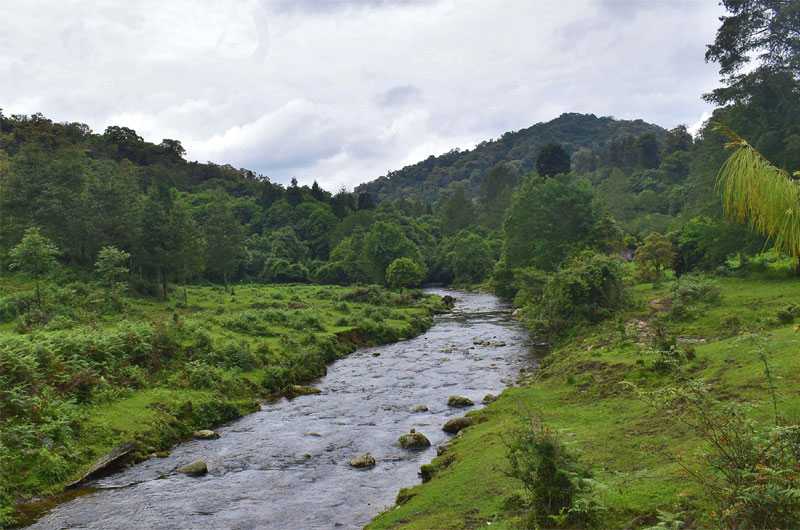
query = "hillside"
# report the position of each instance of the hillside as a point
(430, 178)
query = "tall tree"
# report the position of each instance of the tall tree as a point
(225, 249)
(185, 245)
(35, 254)
(768, 30)
(456, 212)
(551, 160)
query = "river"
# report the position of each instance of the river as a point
(286, 466)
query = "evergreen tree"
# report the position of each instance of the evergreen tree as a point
(185, 245)
(225, 249)
(111, 262)
(35, 254)
(551, 160)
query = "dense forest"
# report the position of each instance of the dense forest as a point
(574, 221)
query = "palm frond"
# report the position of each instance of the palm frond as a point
(756, 192)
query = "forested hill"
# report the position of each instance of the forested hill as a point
(437, 175)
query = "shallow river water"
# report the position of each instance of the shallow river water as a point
(286, 466)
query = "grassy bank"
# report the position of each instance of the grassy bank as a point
(588, 392)
(87, 370)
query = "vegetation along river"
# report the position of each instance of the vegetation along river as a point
(286, 466)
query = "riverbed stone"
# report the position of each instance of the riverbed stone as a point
(298, 389)
(488, 398)
(419, 408)
(459, 401)
(198, 467)
(413, 440)
(442, 448)
(362, 460)
(206, 434)
(456, 424)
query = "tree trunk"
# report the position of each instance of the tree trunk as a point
(38, 296)
(185, 299)
(164, 284)
(225, 280)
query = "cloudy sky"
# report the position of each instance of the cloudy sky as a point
(344, 90)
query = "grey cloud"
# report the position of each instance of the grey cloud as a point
(331, 6)
(400, 95)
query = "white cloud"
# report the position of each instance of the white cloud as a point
(345, 90)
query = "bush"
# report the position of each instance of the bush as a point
(586, 291)
(689, 292)
(404, 272)
(747, 470)
(557, 485)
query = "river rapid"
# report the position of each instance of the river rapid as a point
(286, 466)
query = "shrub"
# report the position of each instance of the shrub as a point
(404, 272)
(587, 290)
(689, 292)
(747, 470)
(557, 485)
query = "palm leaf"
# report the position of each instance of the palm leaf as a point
(756, 192)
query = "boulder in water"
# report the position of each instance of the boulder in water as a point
(198, 467)
(459, 401)
(488, 398)
(419, 408)
(362, 460)
(413, 440)
(456, 424)
(206, 434)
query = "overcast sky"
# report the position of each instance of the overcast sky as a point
(344, 90)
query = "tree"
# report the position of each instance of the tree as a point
(35, 254)
(185, 245)
(456, 212)
(111, 262)
(384, 243)
(403, 272)
(552, 160)
(757, 192)
(677, 139)
(656, 252)
(225, 248)
(548, 220)
(769, 28)
(471, 259)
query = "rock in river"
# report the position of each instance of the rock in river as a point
(456, 424)
(413, 440)
(420, 408)
(362, 460)
(488, 398)
(198, 467)
(206, 434)
(459, 401)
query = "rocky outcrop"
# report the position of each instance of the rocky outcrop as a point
(110, 459)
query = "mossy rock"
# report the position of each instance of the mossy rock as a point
(456, 424)
(420, 408)
(305, 390)
(198, 467)
(459, 401)
(413, 440)
(206, 434)
(404, 495)
(362, 460)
